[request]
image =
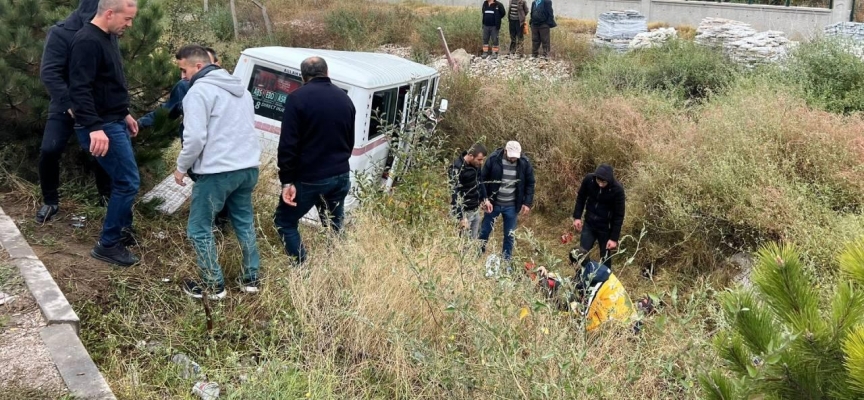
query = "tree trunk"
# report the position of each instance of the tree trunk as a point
(234, 20)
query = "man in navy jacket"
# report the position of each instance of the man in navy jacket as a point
(508, 180)
(54, 73)
(314, 148)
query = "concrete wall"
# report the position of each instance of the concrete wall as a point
(796, 22)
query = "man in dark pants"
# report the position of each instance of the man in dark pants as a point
(314, 148)
(508, 178)
(466, 192)
(100, 101)
(601, 198)
(516, 17)
(54, 72)
(542, 20)
(493, 12)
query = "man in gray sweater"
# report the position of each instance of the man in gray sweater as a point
(220, 147)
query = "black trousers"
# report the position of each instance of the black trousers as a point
(540, 35)
(591, 235)
(58, 129)
(517, 36)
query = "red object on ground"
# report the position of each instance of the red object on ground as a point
(566, 238)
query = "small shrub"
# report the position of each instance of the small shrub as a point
(462, 29)
(681, 68)
(364, 25)
(829, 73)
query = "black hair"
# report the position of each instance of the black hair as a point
(194, 53)
(477, 149)
(213, 53)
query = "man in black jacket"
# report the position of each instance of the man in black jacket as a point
(508, 180)
(100, 102)
(601, 198)
(314, 149)
(542, 20)
(54, 72)
(466, 190)
(493, 12)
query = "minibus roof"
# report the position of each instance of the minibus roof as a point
(364, 70)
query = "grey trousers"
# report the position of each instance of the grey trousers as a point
(490, 33)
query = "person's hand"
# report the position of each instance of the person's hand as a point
(487, 206)
(577, 223)
(98, 143)
(525, 210)
(178, 177)
(71, 114)
(611, 245)
(132, 124)
(463, 223)
(541, 272)
(288, 194)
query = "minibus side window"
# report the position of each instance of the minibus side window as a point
(383, 112)
(270, 90)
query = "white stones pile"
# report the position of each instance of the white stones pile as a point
(616, 29)
(654, 38)
(743, 43)
(852, 30)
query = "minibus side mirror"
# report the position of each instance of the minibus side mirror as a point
(443, 107)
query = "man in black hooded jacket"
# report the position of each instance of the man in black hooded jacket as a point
(601, 198)
(54, 73)
(466, 192)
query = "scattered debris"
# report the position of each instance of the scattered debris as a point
(79, 221)
(493, 266)
(616, 29)
(745, 262)
(655, 38)
(400, 51)
(743, 43)
(188, 369)
(206, 390)
(6, 298)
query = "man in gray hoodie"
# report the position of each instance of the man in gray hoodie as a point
(220, 147)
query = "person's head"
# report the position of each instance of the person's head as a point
(476, 155)
(191, 58)
(114, 16)
(313, 67)
(604, 175)
(214, 57)
(579, 257)
(513, 150)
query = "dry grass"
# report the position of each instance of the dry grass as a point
(578, 26)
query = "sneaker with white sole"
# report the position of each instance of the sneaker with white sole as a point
(196, 290)
(247, 286)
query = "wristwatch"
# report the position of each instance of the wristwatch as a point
(285, 186)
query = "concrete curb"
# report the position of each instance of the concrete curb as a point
(77, 369)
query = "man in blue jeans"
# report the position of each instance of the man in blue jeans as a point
(314, 148)
(100, 103)
(221, 146)
(508, 178)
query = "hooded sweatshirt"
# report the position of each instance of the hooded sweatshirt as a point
(54, 70)
(603, 207)
(219, 125)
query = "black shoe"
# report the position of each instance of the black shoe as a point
(247, 286)
(129, 237)
(46, 212)
(117, 255)
(196, 290)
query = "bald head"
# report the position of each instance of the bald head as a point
(313, 67)
(115, 5)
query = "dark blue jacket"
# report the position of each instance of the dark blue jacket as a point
(542, 14)
(174, 105)
(493, 172)
(604, 208)
(317, 133)
(493, 13)
(54, 70)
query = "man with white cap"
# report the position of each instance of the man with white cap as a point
(508, 179)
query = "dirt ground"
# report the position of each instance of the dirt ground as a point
(26, 369)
